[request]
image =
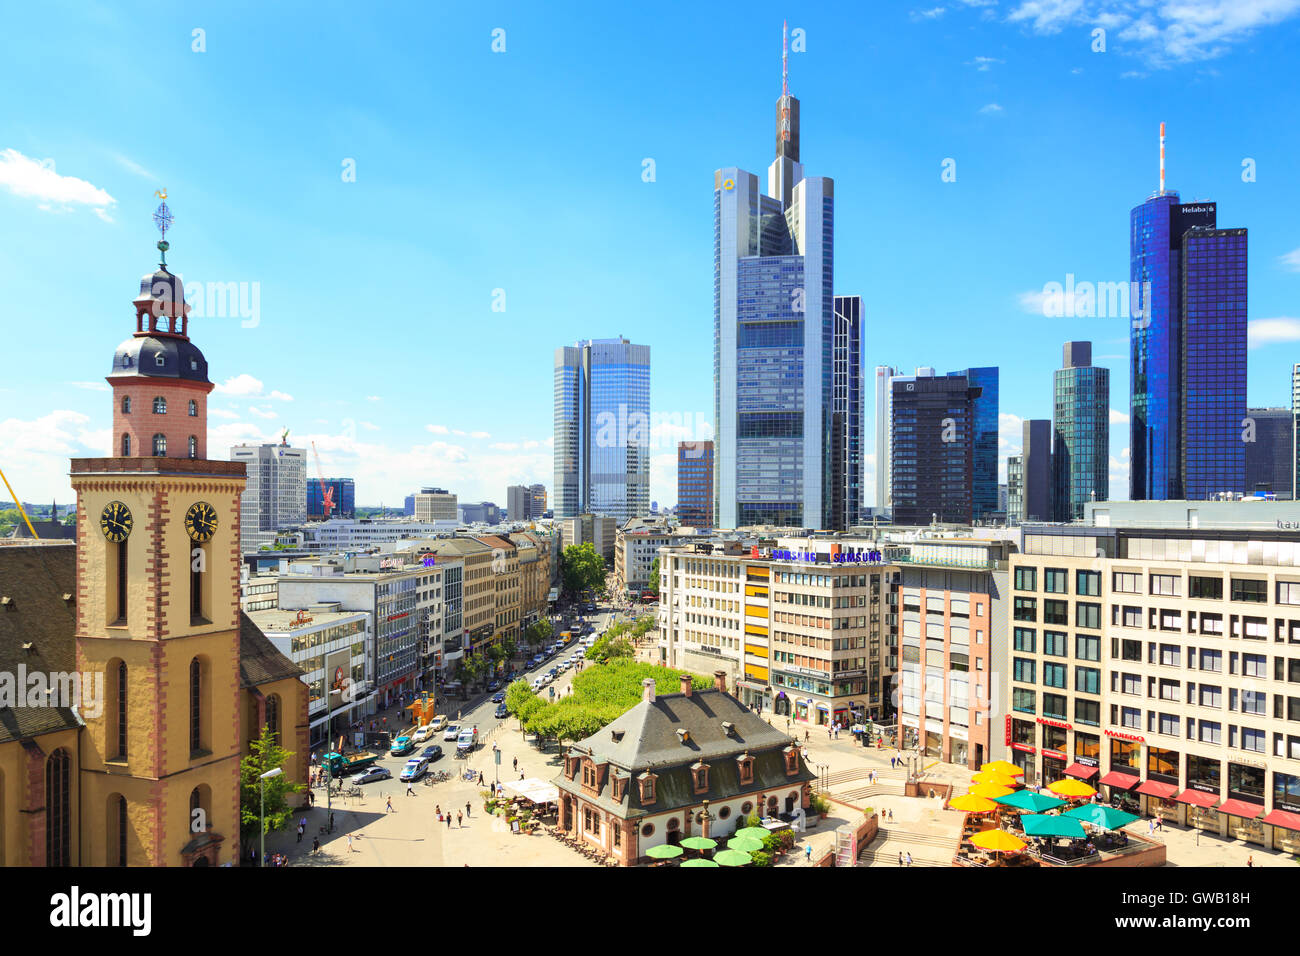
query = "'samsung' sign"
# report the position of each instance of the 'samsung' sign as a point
(843, 557)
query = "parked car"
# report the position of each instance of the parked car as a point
(467, 740)
(502, 711)
(536, 659)
(414, 769)
(452, 732)
(431, 753)
(402, 745)
(423, 733)
(498, 697)
(537, 684)
(438, 722)
(546, 678)
(494, 685)
(591, 608)
(374, 773)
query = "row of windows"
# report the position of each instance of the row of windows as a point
(160, 446)
(159, 406)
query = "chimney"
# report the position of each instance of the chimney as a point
(648, 690)
(720, 681)
(686, 684)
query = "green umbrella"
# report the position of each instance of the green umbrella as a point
(732, 858)
(700, 862)
(699, 843)
(756, 833)
(744, 844)
(1108, 818)
(1049, 825)
(1029, 800)
(664, 851)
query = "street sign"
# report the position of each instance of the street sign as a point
(497, 754)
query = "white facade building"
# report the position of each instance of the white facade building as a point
(276, 494)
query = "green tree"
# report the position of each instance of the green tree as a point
(539, 632)
(583, 568)
(653, 584)
(265, 754)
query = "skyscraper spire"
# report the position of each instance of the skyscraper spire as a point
(1162, 159)
(785, 60)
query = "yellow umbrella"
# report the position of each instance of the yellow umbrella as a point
(990, 790)
(1069, 787)
(1003, 766)
(1001, 779)
(999, 840)
(970, 804)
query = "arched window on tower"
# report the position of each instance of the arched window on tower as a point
(58, 809)
(159, 445)
(159, 405)
(126, 446)
(121, 711)
(126, 404)
(196, 706)
(194, 447)
(273, 715)
(194, 409)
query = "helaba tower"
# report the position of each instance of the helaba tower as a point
(773, 337)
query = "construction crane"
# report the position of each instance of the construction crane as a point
(21, 510)
(326, 491)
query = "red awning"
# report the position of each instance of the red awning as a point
(1123, 781)
(1198, 798)
(1154, 788)
(1081, 770)
(1240, 808)
(1284, 819)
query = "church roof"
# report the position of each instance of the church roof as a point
(163, 356)
(260, 661)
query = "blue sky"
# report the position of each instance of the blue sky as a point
(522, 171)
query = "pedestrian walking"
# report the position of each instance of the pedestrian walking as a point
(1250, 860)
(808, 852)
(409, 791)
(459, 821)
(909, 859)
(805, 736)
(315, 844)
(437, 808)
(300, 832)
(350, 848)
(521, 775)
(480, 778)
(466, 808)
(516, 764)
(891, 763)
(448, 819)
(891, 816)
(390, 804)
(1151, 827)
(900, 857)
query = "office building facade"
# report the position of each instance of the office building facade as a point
(435, 504)
(602, 429)
(1188, 351)
(773, 328)
(1268, 439)
(1015, 489)
(695, 483)
(847, 427)
(1081, 432)
(343, 500)
(276, 494)
(932, 452)
(883, 395)
(984, 440)
(1036, 466)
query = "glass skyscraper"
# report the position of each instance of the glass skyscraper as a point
(984, 438)
(847, 436)
(695, 484)
(1081, 427)
(602, 429)
(773, 339)
(932, 451)
(1187, 351)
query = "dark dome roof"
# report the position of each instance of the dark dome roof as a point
(160, 357)
(163, 293)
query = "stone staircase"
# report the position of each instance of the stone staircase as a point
(927, 849)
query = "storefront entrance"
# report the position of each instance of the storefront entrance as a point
(933, 744)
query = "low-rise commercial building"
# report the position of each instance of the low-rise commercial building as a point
(598, 530)
(636, 546)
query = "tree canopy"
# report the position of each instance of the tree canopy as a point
(653, 584)
(583, 568)
(265, 754)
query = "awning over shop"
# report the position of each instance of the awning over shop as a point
(1240, 808)
(533, 789)
(1123, 781)
(825, 707)
(1198, 798)
(1081, 770)
(1284, 819)
(1154, 788)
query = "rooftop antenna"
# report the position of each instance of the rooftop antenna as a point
(785, 61)
(1162, 159)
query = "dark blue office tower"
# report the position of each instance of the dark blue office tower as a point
(984, 440)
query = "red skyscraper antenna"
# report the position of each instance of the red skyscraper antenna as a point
(785, 61)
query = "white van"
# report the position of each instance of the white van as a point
(467, 740)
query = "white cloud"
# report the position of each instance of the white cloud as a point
(91, 386)
(261, 412)
(479, 435)
(131, 166)
(984, 63)
(1118, 418)
(243, 384)
(281, 396)
(1266, 331)
(222, 413)
(438, 429)
(505, 445)
(932, 14)
(370, 426)
(1291, 261)
(372, 398)
(1174, 31)
(457, 431)
(36, 179)
(991, 108)
(37, 452)
(532, 444)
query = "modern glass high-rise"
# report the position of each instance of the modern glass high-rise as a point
(1036, 469)
(695, 484)
(1015, 489)
(932, 451)
(344, 498)
(984, 453)
(847, 436)
(1187, 350)
(883, 374)
(1081, 429)
(602, 429)
(1268, 448)
(773, 330)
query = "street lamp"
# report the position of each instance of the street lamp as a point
(261, 786)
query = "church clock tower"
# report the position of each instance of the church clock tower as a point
(158, 605)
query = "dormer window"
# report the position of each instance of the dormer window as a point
(194, 409)
(745, 763)
(126, 361)
(647, 784)
(194, 365)
(700, 777)
(159, 405)
(588, 774)
(159, 360)
(791, 760)
(126, 404)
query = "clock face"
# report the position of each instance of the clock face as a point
(115, 521)
(201, 521)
